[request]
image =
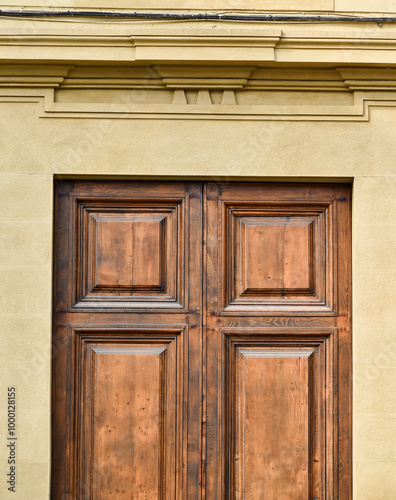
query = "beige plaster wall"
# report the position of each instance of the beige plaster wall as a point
(201, 5)
(385, 6)
(33, 150)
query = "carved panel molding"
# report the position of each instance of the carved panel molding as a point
(271, 374)
(130, 253)
(133, 379)
(277, 256)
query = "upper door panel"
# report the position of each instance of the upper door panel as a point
(276, 248)
(130, 246)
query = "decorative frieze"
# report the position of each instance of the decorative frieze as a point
(200, 92)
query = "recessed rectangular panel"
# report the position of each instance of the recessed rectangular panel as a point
(278, 408)
(276, 254)
(272, 398)
(128, 417)
(130, 253)
(277, 257)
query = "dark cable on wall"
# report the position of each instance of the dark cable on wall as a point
(198, 17)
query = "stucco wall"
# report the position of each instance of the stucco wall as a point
(34, 150)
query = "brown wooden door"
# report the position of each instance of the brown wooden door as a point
(202, 341)
(277, 342)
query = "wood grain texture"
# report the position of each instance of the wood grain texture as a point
(277, 255)
(129, 433)
(162, 300)
(272, 424)
(130, 252)
(259, 441)
(128, 414)
(279, 420)
(127, 378)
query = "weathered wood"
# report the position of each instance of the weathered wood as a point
(277, 341)
(127, 336)
(201, 362)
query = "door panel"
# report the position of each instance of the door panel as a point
(128, 418)
(130, 250)
(277, 251)
(127, 375)
(202, 342)
(279, 418)
(272, 420)
(277, 341)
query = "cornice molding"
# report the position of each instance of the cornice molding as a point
(198, 46)
(204, 77)
(182, 46)
(202, 73)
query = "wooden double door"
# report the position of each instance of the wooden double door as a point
(201, 341)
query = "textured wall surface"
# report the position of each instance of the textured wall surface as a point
(34, 150)
(367, 6)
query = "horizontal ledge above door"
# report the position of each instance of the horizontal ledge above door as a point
(198, 46)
